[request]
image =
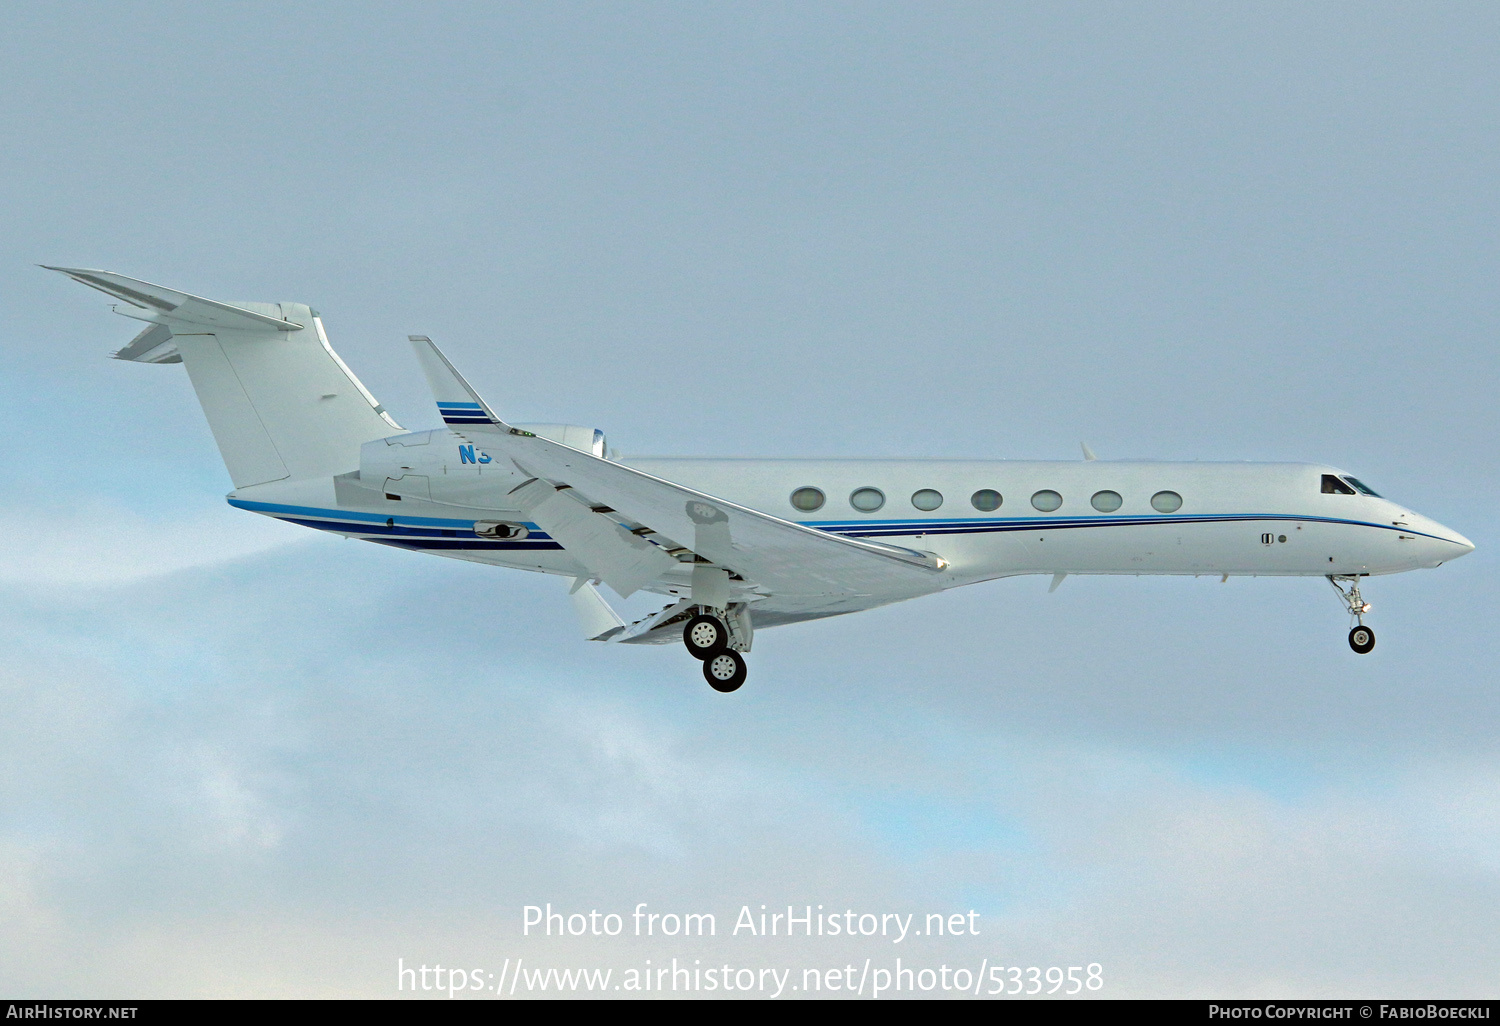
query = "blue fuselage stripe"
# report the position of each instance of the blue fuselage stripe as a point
(533, 538)
(871, 528)
(419, 531)
(475, 544)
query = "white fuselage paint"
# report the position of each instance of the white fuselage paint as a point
(1235, 518)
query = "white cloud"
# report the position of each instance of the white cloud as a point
(240, 814)
(277, 776)
(97, 543)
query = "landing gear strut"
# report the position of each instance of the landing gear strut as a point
(1361, 638)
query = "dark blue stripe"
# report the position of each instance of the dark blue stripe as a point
(373, 518)
(468, 537)
(346, 522)
(888, 528)
(452, 544)
(1102, 518)
(360, 523)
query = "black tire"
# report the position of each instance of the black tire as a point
(705, 636)
(1362, 639)
(725, 671)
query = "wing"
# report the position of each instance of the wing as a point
(795, 569)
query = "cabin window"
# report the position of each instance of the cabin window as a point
(1046, 500)
(1361, 487)
(808, 499)
(1166, 502)
(1106, 501)
(927, 499)
(986, 500)
(1333, 486)
(867, 500)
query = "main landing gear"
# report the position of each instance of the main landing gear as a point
(1361, 638)
(725, 672)
(705, 635)
(709, 639)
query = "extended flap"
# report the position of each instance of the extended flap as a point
(620, 559)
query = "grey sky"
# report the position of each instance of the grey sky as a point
(235, 759)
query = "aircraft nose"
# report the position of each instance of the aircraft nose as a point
(1434, 543)
(1464, 545)
(1455, 544)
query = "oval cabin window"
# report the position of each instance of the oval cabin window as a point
(807, 499)
(1166, 502)
(986, 500)
(927, 499)
(867, 500)
(1106, 501)
(1047, 500)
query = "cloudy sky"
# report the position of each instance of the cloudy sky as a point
(239, 760)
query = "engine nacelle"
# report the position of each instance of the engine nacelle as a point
(441, 466)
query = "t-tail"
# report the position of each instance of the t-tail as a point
(280, 402)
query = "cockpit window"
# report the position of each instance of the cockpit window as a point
(1333, 486)
(1361, 487)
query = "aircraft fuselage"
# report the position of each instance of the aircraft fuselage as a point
(428, 490)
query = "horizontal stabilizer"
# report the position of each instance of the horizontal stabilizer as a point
(163, 305)
(280, 402)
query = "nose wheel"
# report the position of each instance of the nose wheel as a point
(1361, 638)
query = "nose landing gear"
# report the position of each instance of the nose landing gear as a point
(1361, 638)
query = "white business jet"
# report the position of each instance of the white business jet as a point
(734, 545)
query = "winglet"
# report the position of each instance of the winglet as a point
(456, 400)
(1088, 453)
